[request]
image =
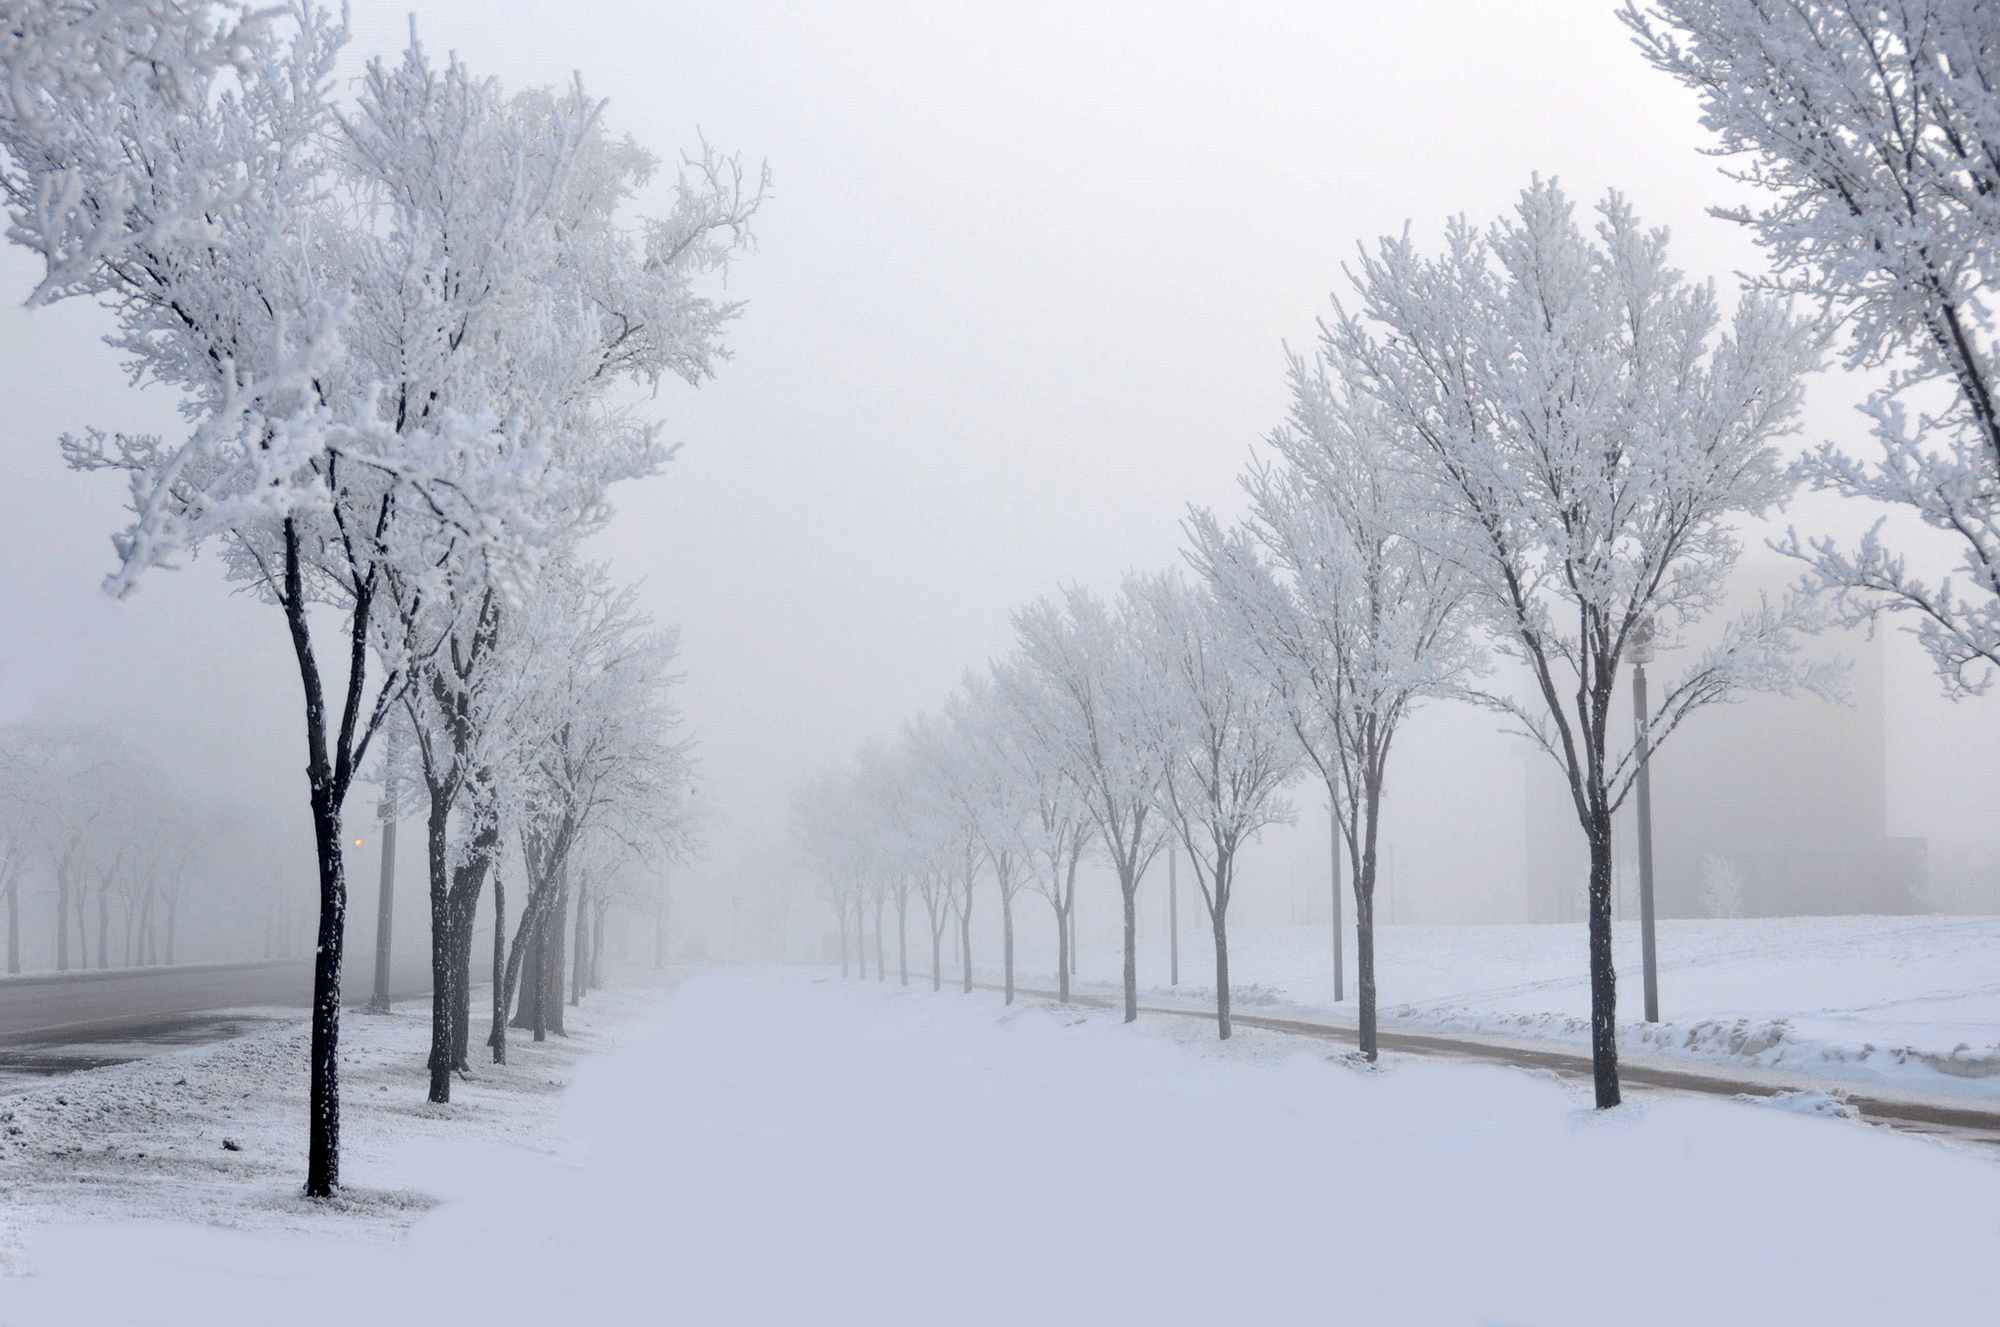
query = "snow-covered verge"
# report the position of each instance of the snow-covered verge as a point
(216, 1134)
(1907, 1002)
(783, 1150)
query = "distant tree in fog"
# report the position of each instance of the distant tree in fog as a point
(1877, 128)
(999, 774)
(1351, 619)
(828, 825)
(1585, 433)
(1085, 652)
(1059, 829)
(942, 758)
(1721, 886)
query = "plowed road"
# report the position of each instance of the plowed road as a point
(125, 1001)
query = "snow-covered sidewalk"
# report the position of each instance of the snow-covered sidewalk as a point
(783, 1149)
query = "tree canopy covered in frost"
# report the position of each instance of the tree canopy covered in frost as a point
(398, 327)
(1351, 617)
(1585, 430)
(1875, 129)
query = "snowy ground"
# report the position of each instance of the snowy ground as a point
(1912, 1002)
(779, 1149)
(216, 1134)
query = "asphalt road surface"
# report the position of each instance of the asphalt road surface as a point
(126, 1002)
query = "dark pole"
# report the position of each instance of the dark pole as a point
(385, 906)
(1173, 918)
(1333, 833)
(1642, 654)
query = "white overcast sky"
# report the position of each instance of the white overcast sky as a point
(1020, 295)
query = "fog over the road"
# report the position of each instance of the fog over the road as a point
(1021, 294)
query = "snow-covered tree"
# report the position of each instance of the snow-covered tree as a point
(1586, 433)
(998, 773)
(1086, 653)
(350, 461)
(1058, 830)
(498, 275)
(1877, 128)
(956, 815)
(1351, 619)
(595, 710)
(1226, 750)
(92, 93)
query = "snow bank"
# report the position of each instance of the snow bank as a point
(781, 1150)
(1908, 1002)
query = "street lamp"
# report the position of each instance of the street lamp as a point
(385, 899)
(1642, 654)
(1333, 860)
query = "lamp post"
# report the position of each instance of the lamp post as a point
(1173, 918)
(385, 905)
(1333, 836)
(1642, 654)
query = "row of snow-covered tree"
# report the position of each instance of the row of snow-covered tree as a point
(103, 833)
(1540, 442)
(405, 324)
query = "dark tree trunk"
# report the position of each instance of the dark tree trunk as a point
(881, 967)
(596, 981)
(323, 1132)
(104, 925)
(555, 959)
(1070, 921)
(937, 958)
(580, 961)
(1603, 975)
(527, 1015)
(1062, 956)
(903, 938)
(173, 907)
(329, 772)
(1364, 916)
(1130, 889)
(1364, 959)
(443, 970)
(1219, 924)
(965, 939)
(843, 943)
(498, 1038)
(464, 917)
(14, 928)
(62, 926)
(1007, 939)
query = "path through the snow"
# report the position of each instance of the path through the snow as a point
(780, 1150)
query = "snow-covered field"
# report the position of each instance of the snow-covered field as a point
(1912, 1002)
(782, 1148)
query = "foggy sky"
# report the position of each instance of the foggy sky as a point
(1020, 295)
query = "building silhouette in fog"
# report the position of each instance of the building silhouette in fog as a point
(1770, 807)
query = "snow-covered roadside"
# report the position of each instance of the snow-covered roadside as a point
(781, 1149)
(216, 1134)
(1910, 1003)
